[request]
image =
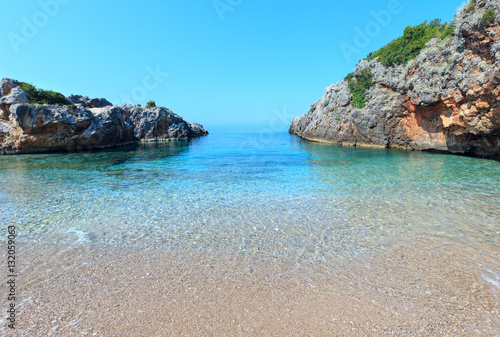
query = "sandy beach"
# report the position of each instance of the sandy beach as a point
(427, 290)
(250, 168)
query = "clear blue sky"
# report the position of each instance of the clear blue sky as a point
(235, 65)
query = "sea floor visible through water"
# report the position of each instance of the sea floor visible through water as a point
(253, 233)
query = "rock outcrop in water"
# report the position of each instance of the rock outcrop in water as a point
(81, 125)
(446, 99)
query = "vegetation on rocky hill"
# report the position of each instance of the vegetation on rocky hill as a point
(358, 84)
(41, 96)
(426, 104)
(488, 16)
(414, 39)
(471, 6)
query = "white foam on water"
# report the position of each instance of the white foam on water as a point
(493, 278)
(30, 299)
(80, 235)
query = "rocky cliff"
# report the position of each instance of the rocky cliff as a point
(445, 99)
(81, 124)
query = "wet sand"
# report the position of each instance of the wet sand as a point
(430, 289)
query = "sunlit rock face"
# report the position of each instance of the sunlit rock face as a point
(82, 125)
(446, 99)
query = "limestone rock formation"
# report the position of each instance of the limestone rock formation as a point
(446, 99)
(88, 102)
(85, 124)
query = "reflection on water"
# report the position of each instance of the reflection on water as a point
(410, 196)
(224, 193)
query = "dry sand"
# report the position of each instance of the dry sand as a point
(426, 290)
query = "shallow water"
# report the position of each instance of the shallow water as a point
(250, 191)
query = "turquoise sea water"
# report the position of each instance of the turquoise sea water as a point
(251, 191)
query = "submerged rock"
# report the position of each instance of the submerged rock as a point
(86, 124)
(446, 99)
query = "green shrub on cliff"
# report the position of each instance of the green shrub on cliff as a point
(448, 30)
(41, 96)
(151, 104)
(471, 7)
(325, 103)
(358, 85)
(488, 16)
(408, 46)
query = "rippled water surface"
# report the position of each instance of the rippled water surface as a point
(251, 191)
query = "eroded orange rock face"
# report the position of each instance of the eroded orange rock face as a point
(420, 125)
(446, 99)
(468, 114)
(430, 127)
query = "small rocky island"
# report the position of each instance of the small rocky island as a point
(436, 88)
(39, 121)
